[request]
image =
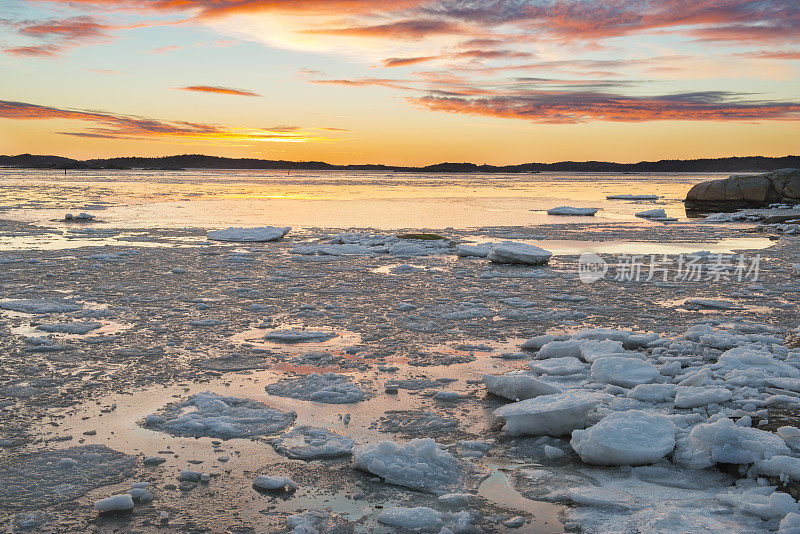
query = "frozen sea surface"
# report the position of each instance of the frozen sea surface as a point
(143, 363)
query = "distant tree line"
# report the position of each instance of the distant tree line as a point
(199, 161)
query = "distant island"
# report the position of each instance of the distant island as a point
(199, 161)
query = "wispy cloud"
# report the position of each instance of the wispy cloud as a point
(217, 89)
(117, 126)
(472, 55)
(56, 36)
(557, 61)
(403, 29)
(566, 107)
(74, 27)
(788, 55)
(365, 82)
(406, 61)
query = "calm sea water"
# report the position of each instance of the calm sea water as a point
(334, 199)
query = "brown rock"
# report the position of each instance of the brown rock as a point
(747, 191)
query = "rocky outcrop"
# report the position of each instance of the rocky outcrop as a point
(746, 191)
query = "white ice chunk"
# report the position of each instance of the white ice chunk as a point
(558, 366)
(567, 210)
(308, 443)
(455, 499)
(596, 496)
(622, 371)
(211, 415)
(481, 250)
(785, 467)
(626, 438)
(770, 506)
(264, 233)
(36, 306)
(310, 522)
(79, 328)
(653, 392)
(657, 213)
(115, 503)
(723, 441)
(519, 253)
(791, 435)
(601, 334)
(330, 388)
(299, 336)
(416, 518)
(447, 396)
(694, 397)
(419, 464)
(790, 524)
(592, 350)
(553, 452)
(538, 342)
(516, 386)
(743, 358)
(560, 349)
(553, 415)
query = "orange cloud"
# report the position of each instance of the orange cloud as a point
(778, 54)
(464, 54)
(35, 50)
(57, 36)
(217, 89)
(116, 126)
(71, 27)
(567, 107)
(404, 29)
(364, 82)
(405, 61)
(216, 8)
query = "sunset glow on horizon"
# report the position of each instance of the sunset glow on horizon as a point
(407, 82)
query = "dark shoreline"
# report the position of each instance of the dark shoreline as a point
(194, 161)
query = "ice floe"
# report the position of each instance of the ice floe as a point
(517, 386)
(553, 415)
(35, 306)
(626, 438)
(519, 253)
(70, 328)
(262, 234)
(655, 214)
(217, 416)
(309, 443)
(723, 441)
(567, 210)
(621, 371)
(632, 197)
(361, 244)
(418, 464)
(558, 366)
(61, 475)
(416, 518)
(330, 388)
(115, 503)
(82, 216)
(299, 336)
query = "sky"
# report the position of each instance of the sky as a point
(405, 82)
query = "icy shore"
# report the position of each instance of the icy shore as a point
(196, 387)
